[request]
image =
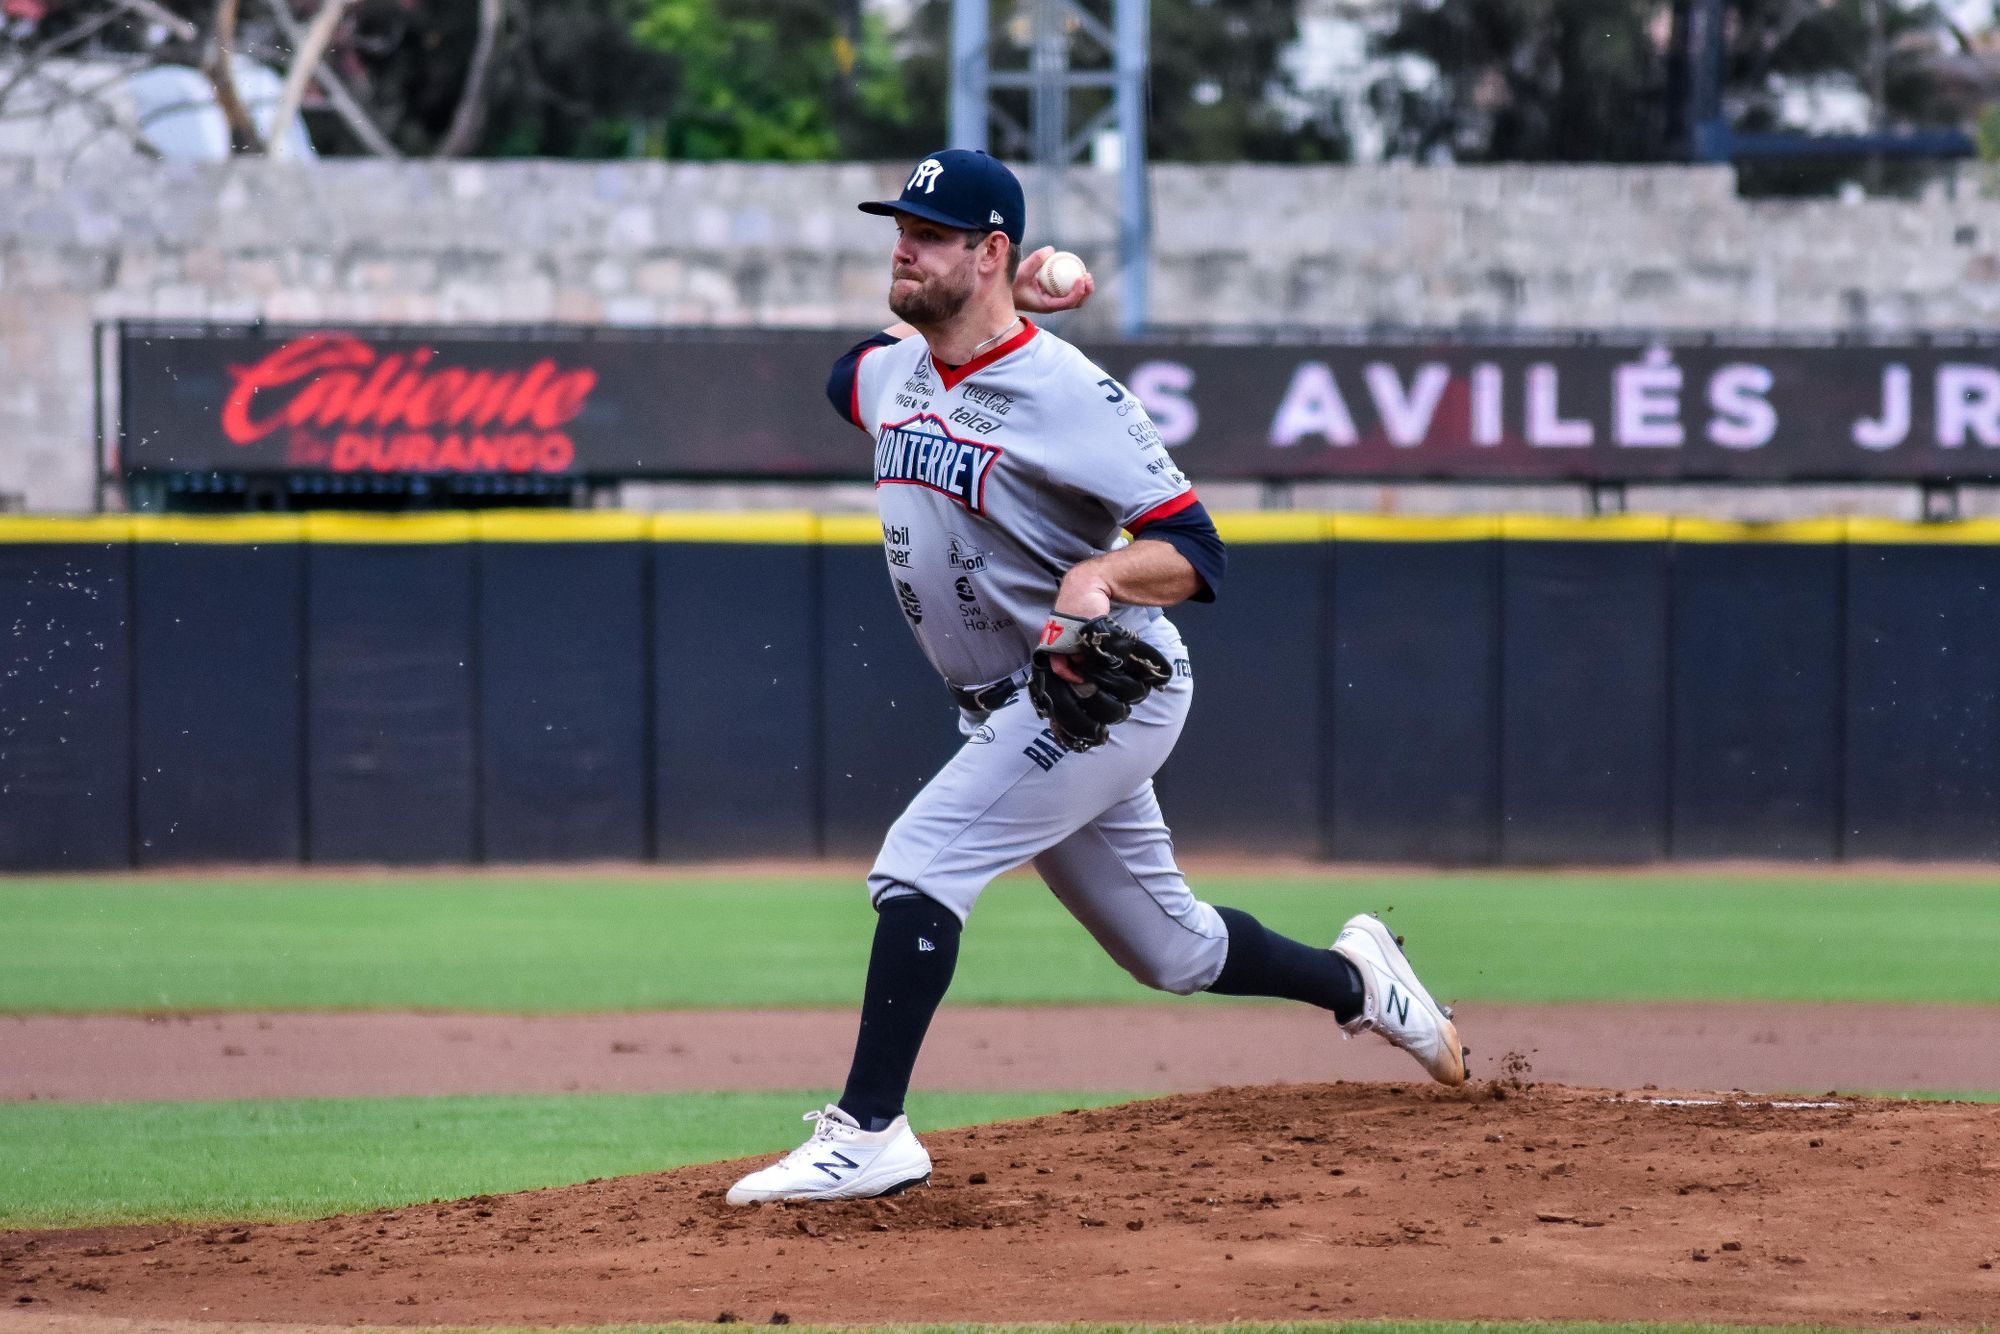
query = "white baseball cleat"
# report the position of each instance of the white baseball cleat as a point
(841, 1161)
(1395, 1004)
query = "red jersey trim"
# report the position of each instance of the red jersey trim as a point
(854, 394)
(952, 376)
(1167, 509)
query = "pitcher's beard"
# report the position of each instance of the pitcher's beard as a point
(932, 302)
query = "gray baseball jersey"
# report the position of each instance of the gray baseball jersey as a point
(993, 478)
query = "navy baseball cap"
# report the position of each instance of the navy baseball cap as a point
(963, 188)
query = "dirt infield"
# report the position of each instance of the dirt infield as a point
(1768, 1048)
(1296, 1202)
(1307, 1200)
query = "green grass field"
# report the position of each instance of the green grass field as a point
(573, 943)
(578, 943)
(77, 1164)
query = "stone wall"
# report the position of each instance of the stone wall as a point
(658, 243)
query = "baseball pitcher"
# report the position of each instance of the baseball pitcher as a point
(1008, 468)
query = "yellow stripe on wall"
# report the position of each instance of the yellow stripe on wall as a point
(1247, 526)
(218, 529)
(1817, 532)
(1415, 527)
(780, 526)
(74, 529)
(562, 526)
(1895, 532)
(396, 529)
(799, 527)
(850, 530)
(1600, 528)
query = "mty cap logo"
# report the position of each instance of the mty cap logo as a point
(925, 178)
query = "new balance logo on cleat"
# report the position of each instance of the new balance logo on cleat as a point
(1397, 1004)
(840, 1158)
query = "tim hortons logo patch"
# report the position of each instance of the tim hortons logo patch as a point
(921, 452)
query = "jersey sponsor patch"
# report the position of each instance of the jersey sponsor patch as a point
(921, 452)
(962, 555)
(913, 607)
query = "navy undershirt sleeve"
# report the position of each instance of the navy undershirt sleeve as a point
(1192, 533)
(840, 384)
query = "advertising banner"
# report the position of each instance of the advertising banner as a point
(495, 401)
(1606, 411)
(749, 403)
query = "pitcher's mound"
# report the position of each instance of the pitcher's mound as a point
(1300, 1202)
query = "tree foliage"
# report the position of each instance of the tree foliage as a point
(569, 80)
(1595, 80)
(699, 79)
(1478, 80)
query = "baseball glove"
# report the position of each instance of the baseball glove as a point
(1118, 668)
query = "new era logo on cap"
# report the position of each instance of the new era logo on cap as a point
(961, 188)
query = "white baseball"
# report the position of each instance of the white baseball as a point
(1060, 273)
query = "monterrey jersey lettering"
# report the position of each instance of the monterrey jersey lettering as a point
(921, 452)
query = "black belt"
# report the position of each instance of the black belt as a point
(986, 698)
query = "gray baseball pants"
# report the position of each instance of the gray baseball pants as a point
(1088, 820)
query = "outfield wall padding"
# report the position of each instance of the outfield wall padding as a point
(564, 694)
(65, 706)
(558, 688)
(1412, 681)
(392, 672)
(218, 739)
(1758, 674)
(1923, 708)
(736, 692)
(1583, 701)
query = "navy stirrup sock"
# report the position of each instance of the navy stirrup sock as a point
(909, 969)
(1263, 963)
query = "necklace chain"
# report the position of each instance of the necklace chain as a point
(997, 337)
